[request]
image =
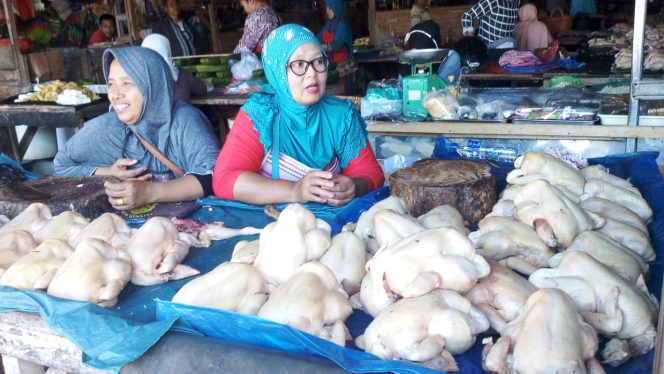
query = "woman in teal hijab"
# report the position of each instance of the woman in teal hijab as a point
(319, 141)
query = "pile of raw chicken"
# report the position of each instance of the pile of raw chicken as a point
(432, 287)
(559, 263)
(653, 47)
(70, 257)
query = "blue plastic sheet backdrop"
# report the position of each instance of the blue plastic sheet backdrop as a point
(115, 336)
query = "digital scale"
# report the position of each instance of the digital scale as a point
(422, 79)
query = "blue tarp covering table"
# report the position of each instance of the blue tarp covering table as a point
(112, 337)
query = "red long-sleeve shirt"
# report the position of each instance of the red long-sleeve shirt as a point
(242, 152)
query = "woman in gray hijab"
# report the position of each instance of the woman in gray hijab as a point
(147, 137)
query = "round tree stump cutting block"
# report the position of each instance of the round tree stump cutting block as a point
(464, 184)
(84, 195)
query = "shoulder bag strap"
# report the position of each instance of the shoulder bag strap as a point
(275, 148)
(160, 156)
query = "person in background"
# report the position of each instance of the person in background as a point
(177, 30)
(426, 35)
(531, 33)
(336, 38)
(582, 6)
(106, 32)
(147, 137)
(419, 12)
(497, 21)
(297, 144)
(261, 20)
(186, 83)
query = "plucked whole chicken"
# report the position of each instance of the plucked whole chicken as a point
(426, 329)
(613, 305)
(549, 336)
(96, 272)
(230, 286)
(35, 270)
(157, 252)
(310, 301)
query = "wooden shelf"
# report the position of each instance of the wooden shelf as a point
(460, 129)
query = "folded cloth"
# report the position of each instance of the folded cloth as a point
(518, 58)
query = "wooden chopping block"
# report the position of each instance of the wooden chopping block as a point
(81, 194)
(464, 184)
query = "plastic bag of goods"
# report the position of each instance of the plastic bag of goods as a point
(441, 105)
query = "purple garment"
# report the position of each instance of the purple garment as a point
(257, 27)
(187, 85)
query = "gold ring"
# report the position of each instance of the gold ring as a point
(119, 201)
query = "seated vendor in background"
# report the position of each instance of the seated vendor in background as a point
(296, 144)
(106, 31)
(186, 83)
(420, 12)
(177, 30)
(426, 35)
(260, 22)
(146, 138)
(497, 21)
(530, 33)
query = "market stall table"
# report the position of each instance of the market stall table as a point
(43, 115)
(143, 303)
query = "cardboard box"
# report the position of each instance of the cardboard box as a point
(46, 65)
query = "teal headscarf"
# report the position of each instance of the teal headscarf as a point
(314, 133)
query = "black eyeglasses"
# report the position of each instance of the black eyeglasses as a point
(300, 67)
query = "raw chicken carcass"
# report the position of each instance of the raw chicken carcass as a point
(609, 252)
(434, 258)
(443, 216)
(35, 270)
(390, 227)
(500, 295)
(108, 227)
(33, 218)
(654, 60)
(599, 172)
(297, 237)
(629, 236)
(613, 305)
(555, 218)
(364, 227)
(96, 272)
(624, 197)
(549, 336)
(14, 244)
(310, 301)
(245, 251)
(426, 329)
(609, 209)
(157, 252)
(230, 286)
(347, 257)
(513, 243)
(64, 226)
(538, 165)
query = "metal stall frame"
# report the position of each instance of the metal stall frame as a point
(640, 89)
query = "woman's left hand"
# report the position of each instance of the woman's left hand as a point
(343, 190)
(127, 195)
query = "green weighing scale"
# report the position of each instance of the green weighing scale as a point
(422, 79)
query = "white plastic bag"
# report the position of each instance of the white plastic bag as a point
(248, 63)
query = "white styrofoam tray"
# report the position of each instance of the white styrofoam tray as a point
(621, 120)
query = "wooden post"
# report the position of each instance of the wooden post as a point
(129, 9)
(214, 29)
(373, 32)
(21, 62)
